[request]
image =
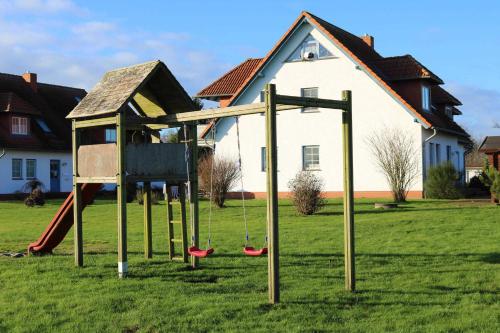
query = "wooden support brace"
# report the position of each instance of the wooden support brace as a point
(148, 234)
(349, 253)
(77, 200)
(272, 195)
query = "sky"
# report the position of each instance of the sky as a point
(72, 42)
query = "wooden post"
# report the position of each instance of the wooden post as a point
(349, 253)
(121, 191)
(272, 195)
(148, 237)
(77, 199)
(193, 190)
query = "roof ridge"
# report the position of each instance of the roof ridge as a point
(132, 66)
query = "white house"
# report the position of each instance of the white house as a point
(315, 58)
(35, 137)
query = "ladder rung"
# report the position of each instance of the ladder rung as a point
(175, 202)
(177, 259)
(175, 222)
(176, 240)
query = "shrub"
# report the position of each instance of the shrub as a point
(306, 190)
(219, 177)
(491, 178)
(441, 182)
(36, 196)
(155, 196)
(396, 158)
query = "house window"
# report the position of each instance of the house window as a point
(309, 92)
(20, 125)
(426, 98)
(448, 111)
(310, 157)
(17, 168)
(309, 49)
(432, 154)
(43, 125)
(30, 168)
(438, 153)
(110, 135)
(448, 153)
(263, 159)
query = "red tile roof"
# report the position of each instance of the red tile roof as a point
(384, 70)
(10, 102)
(404, 68)
(229, 83)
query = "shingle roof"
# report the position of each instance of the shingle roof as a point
(490, 144)
(406, 67)
(118, 87)
(10, 102)
(51, 102)
(441, 96)
(229, 83)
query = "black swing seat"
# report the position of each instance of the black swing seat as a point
(253, 252)
(197, 252)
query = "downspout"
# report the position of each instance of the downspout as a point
(3, 153)
(424, 159)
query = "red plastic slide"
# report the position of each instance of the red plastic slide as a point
(62, 221)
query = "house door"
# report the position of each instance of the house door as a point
(55, 176)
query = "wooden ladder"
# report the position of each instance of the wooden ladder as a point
(172, 238)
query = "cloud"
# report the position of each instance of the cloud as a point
(481, 109)
(40, 7)
(63, 47)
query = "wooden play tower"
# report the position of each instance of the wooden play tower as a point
(139, 100)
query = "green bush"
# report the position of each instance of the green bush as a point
(441, 182)
(491, 178)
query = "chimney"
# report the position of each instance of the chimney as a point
(369, 40)
(30, 78)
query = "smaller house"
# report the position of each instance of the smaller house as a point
(35, 137)
(491, 147)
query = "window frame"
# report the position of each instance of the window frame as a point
(426, 98)
(109, 130)
(432, 154)
(307, 43)
(28, 161)
(16, 128)
(302, 94)
(20, 168)
(304, 160)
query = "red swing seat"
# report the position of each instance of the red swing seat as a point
(197, 252)
(253, 252)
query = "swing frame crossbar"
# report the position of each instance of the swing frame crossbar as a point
(273, 103)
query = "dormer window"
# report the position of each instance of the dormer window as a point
(310, 49)
(448, 111)
(20, 125)
(426, 98)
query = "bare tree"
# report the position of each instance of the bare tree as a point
(218, 178)
(396, 158)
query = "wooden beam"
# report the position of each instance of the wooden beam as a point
(77, 200)
(272, 195)
(121, 191)
(95, 122)
(193, 189)
(96, 180)
(148, 235)
(311, 102)
(349, 253)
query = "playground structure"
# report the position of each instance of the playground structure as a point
(147, 97)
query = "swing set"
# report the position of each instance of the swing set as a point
(146, 98)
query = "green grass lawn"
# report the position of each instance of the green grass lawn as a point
(430, 266)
